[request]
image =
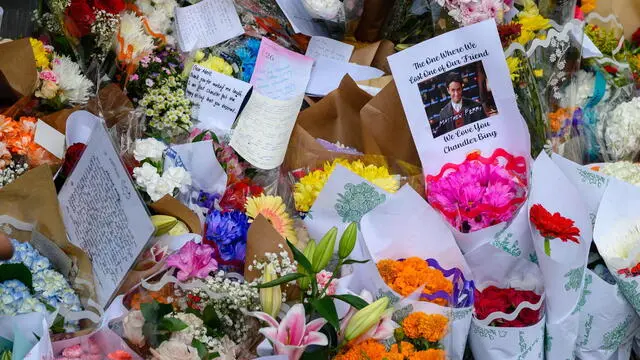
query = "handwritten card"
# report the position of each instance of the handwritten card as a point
(217, 98)
(300, 19)
(103, 213)
(264, 128)
(327, 74)
(207, 23)
(322, 47)
(280, 73)
(457, 95)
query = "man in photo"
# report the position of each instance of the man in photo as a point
(459, 111)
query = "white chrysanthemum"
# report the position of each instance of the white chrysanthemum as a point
(133, 33)
(159, 15)
(624, 245)
(622, 130)
(76, 88)
(623, 170)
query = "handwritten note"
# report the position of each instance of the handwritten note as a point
(320, 46)
(207, 23)
(217, 98)
(280, 73)
(103, 213)
(300, 19)
(264, 128)
(328, 73)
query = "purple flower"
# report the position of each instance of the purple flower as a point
(226, 228)
(207, 200)
(193, 261)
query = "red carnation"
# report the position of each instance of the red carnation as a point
(635, 38)
(553, 226)
(111, 6)
(494, 299)
(235, 197)
(71, 158)
(611, 69)
(78, 18)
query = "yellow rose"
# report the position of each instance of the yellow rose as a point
(48, 90)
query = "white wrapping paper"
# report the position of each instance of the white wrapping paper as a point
(563, 270)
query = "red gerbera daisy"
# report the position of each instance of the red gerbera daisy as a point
(635, 37)
(553, 226)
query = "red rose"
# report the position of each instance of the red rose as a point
(110, 6)
(494, 299)
(78, 18)
(235, 197)
(71, 158)
(635, 38)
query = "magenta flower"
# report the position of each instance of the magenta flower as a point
(292, 335)
(193, 261)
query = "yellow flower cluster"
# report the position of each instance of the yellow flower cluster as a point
(214, 63)
(40, 53)
(531, 22)
(307, 189)
(514, 64)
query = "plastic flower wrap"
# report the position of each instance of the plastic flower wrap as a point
(235, 58)
(480, 192)
(47, 291)
(340, 17)
(493, 299)
(306, 190)
(167, 109)
(408, 24)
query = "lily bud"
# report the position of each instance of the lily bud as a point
(324, 250)
(364, 319)
(308, 251)
(163, 223)
(271, 298)
(348, 240)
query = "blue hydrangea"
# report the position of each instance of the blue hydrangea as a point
(248, 55)
(50, 287)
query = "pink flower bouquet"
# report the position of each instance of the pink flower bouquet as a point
(480, 192)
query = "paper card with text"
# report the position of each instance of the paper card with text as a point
(457, 95)
(103, 212)
(217, 98)
(206, 23)
(279, 73)
(320, 46)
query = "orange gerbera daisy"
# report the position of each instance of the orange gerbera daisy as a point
(272, 208)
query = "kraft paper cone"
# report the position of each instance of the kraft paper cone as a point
(111, 104)
(373, 17)
(170, 206)
(18, 67)
(32, 199)
(262, 238)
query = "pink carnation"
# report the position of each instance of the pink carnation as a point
(134, 77)
(48, 75)
(323, 278)
(193, 261)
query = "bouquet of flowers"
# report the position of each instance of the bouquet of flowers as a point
(150, 175)
(619, 132)
(60, 80)
(340, 17)
(409, 23)
(451, 14)
(103, 344)
(622, 170)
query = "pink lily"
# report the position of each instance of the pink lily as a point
(292, 335)
(381, 331)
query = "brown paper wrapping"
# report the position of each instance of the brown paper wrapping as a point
(373, 18)
(111, 104)
(373, 54)
(170, 206)
(32, 199)
(375, 126)
(18, 69)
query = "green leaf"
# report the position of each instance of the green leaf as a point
(300, 258)
(18, 272)
(58, 325)
(210, 317)
(327, 309)
(172, 324)
(150, 312)
(352, 261)
(355, 301)
(322, 354)
(202, 350)
(164, 310)
(281, 280)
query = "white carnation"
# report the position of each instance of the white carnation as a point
(159, 189)
(623, 170)
(177, 177)
(174, 350)
(622, 130)
(148, 148)
(146, 175)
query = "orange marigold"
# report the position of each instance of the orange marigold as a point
(431, 354)
(431, 327)
(406, 349)
(369, 349)
(406, 276)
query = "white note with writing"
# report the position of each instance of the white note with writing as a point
(207, 23)
(327, 74)
(264, 128)
(49, 138)
(216, 98)
(322, 47)
(280, 73)
(300, 19)
(103, 212)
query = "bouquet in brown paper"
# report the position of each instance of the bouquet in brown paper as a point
(54, 275)
(368, 135)
(18, 74)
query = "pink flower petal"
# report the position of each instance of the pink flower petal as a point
(265, 317)
(292, 327)
(271, 334)
(315, 325)
(316, 338)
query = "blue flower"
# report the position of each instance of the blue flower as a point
(207, 200)
(248, 55)
(228, 231)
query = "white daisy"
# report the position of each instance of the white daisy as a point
(76, 88)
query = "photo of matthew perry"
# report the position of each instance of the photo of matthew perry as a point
(457, 98)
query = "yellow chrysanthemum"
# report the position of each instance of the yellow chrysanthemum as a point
(40, 53)
(538, 73)
(514, 67)
(217, 64)
(307, 189)
(273, 209)
(531, 22)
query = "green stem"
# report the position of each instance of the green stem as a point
(547, 246)
(333, 276)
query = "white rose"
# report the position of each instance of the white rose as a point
(132, 324)
(159, 188)
(174, 350)
(323, 9)
(177, 177)
(146, 175)
(194, 324)
(148, 148)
